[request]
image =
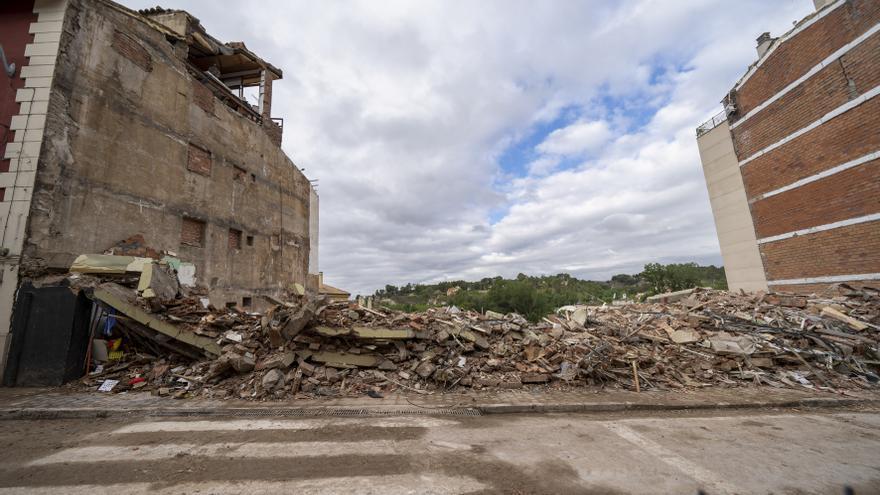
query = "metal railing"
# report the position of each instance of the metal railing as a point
(712, 123)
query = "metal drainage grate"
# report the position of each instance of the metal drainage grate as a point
(337, 412)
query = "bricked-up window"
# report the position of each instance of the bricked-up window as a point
(198, 160)
(203, 97)
(192, 232)
(234, 239)
(129, 48)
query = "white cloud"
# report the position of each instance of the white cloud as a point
(577, 138)
(402, 110)
(543, 165)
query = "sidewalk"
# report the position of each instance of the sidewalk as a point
(16, 403)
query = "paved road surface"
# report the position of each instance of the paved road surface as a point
(763, 452)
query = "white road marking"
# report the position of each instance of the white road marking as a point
(402, 484)
(258, 450)
(707, 479)
(282, 424)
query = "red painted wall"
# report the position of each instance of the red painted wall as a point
(15, 19)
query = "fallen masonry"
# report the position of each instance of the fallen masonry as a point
(308, 347)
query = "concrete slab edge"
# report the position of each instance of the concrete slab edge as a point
(486, 409)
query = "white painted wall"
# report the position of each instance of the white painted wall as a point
(733, 220)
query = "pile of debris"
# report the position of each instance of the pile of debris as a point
(180, 345)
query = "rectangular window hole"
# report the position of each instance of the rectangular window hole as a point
(247, 302)
(253, 177)
(250, 240)
(231, 305)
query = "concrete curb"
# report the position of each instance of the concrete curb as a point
(816, 402)
(486, 409)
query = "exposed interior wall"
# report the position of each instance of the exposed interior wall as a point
(313, 231)
(733, 221)
(135, 145)
(29, 32)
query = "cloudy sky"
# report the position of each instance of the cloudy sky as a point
(462, 139)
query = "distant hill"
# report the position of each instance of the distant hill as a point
(535, 297)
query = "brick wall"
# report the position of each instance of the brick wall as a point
(198, 160)
(192, 232)
(844, 138)
(852, 75)
(234, 239)
(796, 56)
(274, 131)
(825, 289)
(851, 193)
(203, 97)
(842, 251)
(129, 48)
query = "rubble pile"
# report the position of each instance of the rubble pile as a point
(310, 347)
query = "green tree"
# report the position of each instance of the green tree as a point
(672, 277)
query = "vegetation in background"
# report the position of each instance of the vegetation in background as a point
(535, 297)
(673, 277)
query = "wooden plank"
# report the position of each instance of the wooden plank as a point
(849, 320)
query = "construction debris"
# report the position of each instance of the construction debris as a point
(306, 347)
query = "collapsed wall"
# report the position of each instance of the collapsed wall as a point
(145, 132)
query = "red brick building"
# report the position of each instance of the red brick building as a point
(804, 124)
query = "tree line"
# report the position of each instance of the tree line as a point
(536, 296)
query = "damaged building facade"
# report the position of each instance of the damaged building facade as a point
(792, 164)
(123, 125)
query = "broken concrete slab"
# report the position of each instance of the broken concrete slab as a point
(108, 264)
(119, 298)
(670, 297)
(158, 281)
(426, 369)
(724, 343)
(534, 378)
(345, 360)
(273, 379)
(376, 333)
(685, 336)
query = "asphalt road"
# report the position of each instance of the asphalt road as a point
(746, 452)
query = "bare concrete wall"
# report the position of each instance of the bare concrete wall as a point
(733, 220)
(121, 119)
